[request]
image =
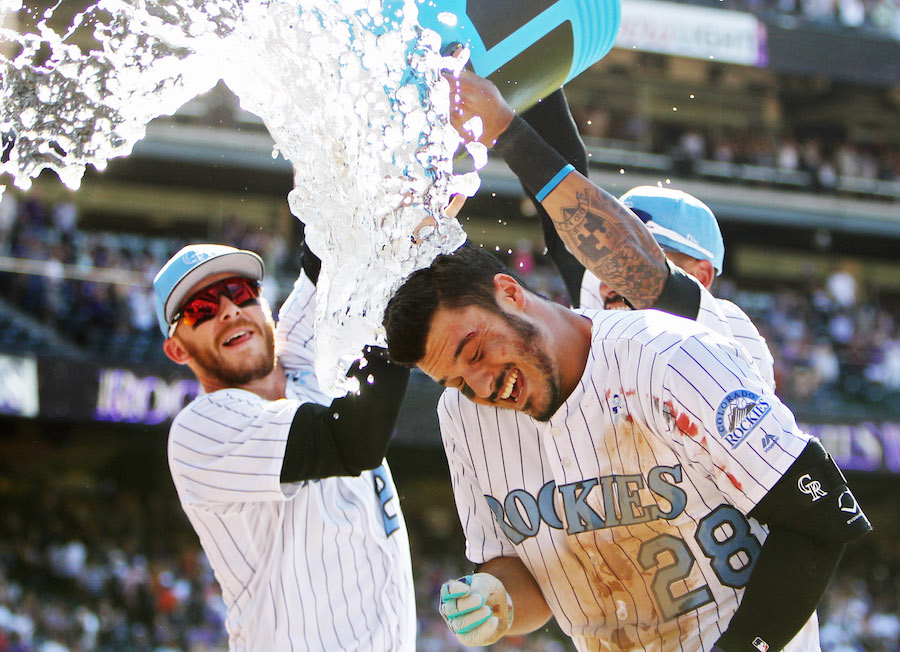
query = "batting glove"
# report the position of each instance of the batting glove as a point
(477, 609)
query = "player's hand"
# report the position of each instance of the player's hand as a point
(455, 206)
(477, 609)
(471, 97)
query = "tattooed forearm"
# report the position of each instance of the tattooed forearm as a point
(612, 242)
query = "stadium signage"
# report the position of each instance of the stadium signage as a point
(863, 446)
(695, 32)
(126, 397)
(19, 386)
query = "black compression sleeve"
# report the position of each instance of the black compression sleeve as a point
(552, 121)
(805, 543)
(788, 581)
(529, 157)
(353, 433)
(812, 498)
(681, 294)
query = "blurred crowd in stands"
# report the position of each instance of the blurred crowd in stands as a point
(878, 16)
(832, 342)
(93, 570)
(861, 610)
(821, 162)
(117, 317)
(106, 569)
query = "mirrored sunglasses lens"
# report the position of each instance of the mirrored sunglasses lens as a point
(199, 310)
(242, 291)
(206, 304)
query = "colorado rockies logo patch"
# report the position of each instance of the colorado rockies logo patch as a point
(739, 413)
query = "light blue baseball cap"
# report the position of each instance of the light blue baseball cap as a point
(678, 221)
(191, 265)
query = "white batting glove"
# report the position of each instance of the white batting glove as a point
(477, 609)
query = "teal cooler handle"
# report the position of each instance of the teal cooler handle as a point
(528, 48)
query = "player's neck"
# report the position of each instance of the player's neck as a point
(571, 335)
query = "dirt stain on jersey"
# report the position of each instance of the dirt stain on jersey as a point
(621, 637)
(611, 564)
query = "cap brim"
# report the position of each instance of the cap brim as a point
(240, 263)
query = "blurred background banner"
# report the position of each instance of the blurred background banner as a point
(60, 389)
(863, 446)
(837, 53)
(696, 32)
(19, 386)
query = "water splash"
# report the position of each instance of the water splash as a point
(352, 97)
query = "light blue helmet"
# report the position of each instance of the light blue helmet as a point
(191, 265)
(678, 221)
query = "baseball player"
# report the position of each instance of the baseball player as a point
(605, 234)
(629, 472)
(689, 234)
(287, 489)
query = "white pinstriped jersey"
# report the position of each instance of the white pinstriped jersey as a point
(719, 315)
(629, 505)
(321, 565)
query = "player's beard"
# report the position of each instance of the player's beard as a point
(529, 348)
(231, 372)
(614, 301)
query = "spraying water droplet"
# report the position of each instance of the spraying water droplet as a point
(353, 98)
(448, 18)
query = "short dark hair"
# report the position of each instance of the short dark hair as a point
(462, 278)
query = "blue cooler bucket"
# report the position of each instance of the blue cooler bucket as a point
(528, 48)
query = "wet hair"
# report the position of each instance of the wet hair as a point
(462, 278)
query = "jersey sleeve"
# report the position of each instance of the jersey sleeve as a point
(228, 446)
(294, 335)
(726, 420)
(590, 296)
(746, 333)
(726, 319)
(484, 539)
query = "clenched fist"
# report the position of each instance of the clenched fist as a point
(477, 609)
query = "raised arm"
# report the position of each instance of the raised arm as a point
(351, 434)
(603, 235)
(551, 119)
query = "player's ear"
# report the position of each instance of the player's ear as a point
(704, 272)
(508, 292)
(175, 351)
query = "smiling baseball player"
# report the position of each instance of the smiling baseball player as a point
(287, 490)
(630, 473)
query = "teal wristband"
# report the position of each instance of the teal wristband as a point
(555, 181)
